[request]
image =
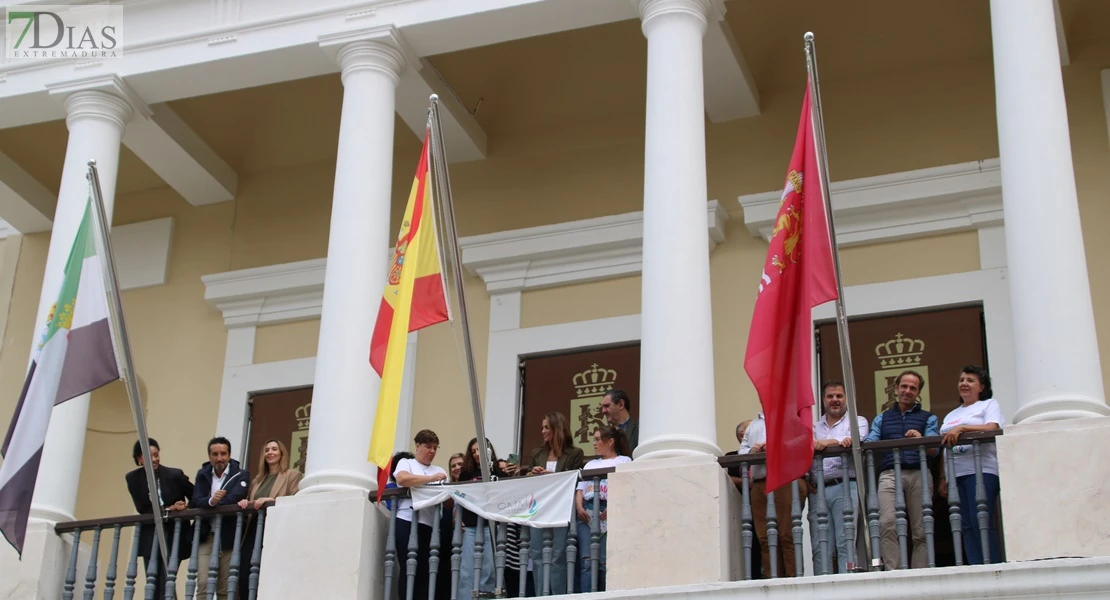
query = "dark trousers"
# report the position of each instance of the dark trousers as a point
(424, 542)
(512, 583)
(969, 519)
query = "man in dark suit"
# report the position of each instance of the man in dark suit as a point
(174, 492)
(220, 482)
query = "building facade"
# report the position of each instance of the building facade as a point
(614, 166)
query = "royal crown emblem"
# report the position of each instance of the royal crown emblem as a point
(594, 381)
(900, 352)
(303, 414)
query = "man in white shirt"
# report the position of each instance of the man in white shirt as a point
(755, 440)
(834, 429)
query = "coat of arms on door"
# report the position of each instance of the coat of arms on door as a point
(895, 356)
(590, 386)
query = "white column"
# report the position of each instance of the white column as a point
(1059, 375)
(678, 410)
(345, 395)
(96, 113)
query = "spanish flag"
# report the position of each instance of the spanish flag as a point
(413, 299)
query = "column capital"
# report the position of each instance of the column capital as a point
(100, 97)
(380, 49)
(702, 10)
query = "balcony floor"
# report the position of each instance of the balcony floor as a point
(1057, 578)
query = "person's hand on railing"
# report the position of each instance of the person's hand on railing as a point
(179, 505)
(913, 433)
(244, 503)
(759, 448)
(538, 471)
(846, 442)
(819, 445)
(953, 435)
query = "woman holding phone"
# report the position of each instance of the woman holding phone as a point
(557, 454)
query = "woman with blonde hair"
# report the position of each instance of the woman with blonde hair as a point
(274, 479)
(557, 454)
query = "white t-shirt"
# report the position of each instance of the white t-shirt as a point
(980, 413)
(587, 486)
(552, 465)
(414, 467)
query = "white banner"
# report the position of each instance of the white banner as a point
(540, 501)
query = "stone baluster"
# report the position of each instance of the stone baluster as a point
(235, 562)
(433, 552)
(133, 565)
(391, 550)
(772, 536)
(595, 538)
(525, 552)
(500, 557)
(548, 553)
(927, 507)
(572, 550)
(982, 510)
(71, 572)
(151, 589)
(191, 574)
(90, 574)
(873, 512)
(954, 519)
(479, 550)
(849, 507)
(110, 575)
(175, 561)
(901, 523)
(820, 510)
(214, 560)
(746, 532)
(256, 557)
(796, 525)
(410, 560)
(456, 553)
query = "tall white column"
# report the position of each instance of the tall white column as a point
(1059, 374)
(678, 410)
(97, 111)
(345, 395)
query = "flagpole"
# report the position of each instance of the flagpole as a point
(123, 350)
(818, 122)
(441, 185)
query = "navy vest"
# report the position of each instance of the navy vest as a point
(894, 426)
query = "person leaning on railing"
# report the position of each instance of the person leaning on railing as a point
(411, 472)
(274, 479)
(906, 419)
(611, 447)
(978, 411)
(557, 454)
(472, 471)
(220, 482)
(174, 491)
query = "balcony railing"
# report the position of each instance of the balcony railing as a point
(179, 526)
(564, 560)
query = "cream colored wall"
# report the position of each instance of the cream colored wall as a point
(877, 125)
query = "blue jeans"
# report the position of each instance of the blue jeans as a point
(834, 499)
(466, 567)
(585, 571)
(558, 560)
(969, 518)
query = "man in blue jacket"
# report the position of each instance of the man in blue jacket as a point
(906, 419)
(219, 482)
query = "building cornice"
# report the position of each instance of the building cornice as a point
(521, 259)
(925, 202)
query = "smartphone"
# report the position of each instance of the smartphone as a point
(514, 459)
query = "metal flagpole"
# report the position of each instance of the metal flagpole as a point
(441, 186)
(817, 121)
(123, 350)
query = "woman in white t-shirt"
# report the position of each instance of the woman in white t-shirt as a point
(411, 472)
(611, 447)
(978, 411)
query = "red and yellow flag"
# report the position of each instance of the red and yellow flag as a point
(413, 299)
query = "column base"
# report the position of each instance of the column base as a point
(42, 571)
(338, 481)
(1056, 408)
(675, 446)
(1067, 456)
(327, 545)
(672, 522)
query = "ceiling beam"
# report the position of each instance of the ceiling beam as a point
(463, 137)
(180, 157)
(25, 204)
(730, 90)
